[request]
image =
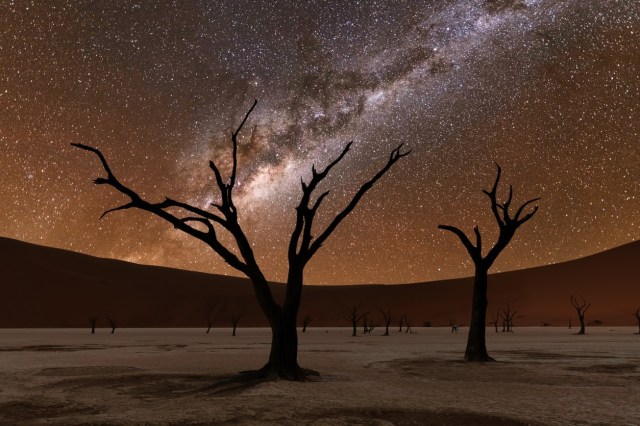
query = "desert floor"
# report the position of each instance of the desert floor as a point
(184, 376)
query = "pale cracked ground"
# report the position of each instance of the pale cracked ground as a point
(177, 376)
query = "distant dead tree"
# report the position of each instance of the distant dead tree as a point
(401, 323)
(453, 325)
(206, 226)
(507, 316)
(371, 327)
(637, 315)
(476, 350)
(93, 321)
(113, 324)
(407, 322)
(209, 325)
(570, 324)
(235, 319)
(354, 316)
(580, 307)
(494, 320)
(387, 320)
(365, 324)
(305, 322)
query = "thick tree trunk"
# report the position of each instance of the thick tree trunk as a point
(476, 346)
(283, 358)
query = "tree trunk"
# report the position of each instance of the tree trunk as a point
(386, 329)
(582, 331)
(476, 346)
(283, 358)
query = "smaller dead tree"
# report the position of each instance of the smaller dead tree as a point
(209, 325)
(581, 308)
(235, 319)
(387, 320)
(354, 316)
(93, 321)
(494, 320)
(570, 324)
(401, 323)
(305, 322)
(637, 315)
(371, 327)
(407, 322)
(365, 324)
(113, 324)
(453, 325)
(507, 316)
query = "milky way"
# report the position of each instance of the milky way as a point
(547, 88)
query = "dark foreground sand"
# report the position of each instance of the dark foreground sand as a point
(181, 376)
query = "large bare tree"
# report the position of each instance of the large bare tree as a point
(508, 224)
(205, 225)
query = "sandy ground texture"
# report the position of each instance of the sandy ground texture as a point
(183, 376)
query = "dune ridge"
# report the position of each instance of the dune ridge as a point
(49, 287)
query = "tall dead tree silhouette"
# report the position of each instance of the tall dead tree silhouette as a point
(387, 320)
(282, 318)
(637, 315)
(580, 307)
(93, 321)
(476, 350)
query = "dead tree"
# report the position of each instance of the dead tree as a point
(305, 322)
(371, 327)
(476, 350)
(637, 315)
(209, 325)
(387, 320)
(494, 320)
(206, 226)
(453, 325)
(407, 322)
(354, 316)
(401, 323)
(581, 307)
(507, 316)
(93, 321)
(235, 319)
(113, 324)
(570, 324)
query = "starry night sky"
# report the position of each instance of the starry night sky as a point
(547, 88)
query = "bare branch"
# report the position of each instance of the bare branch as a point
(395, 155)
(122, 207)
(474, 252)
(158, 209)
(234, 141)
(528, 216)
(494, 201)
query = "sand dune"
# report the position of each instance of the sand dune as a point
(47, 287)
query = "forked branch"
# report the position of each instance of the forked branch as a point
(303, 249)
